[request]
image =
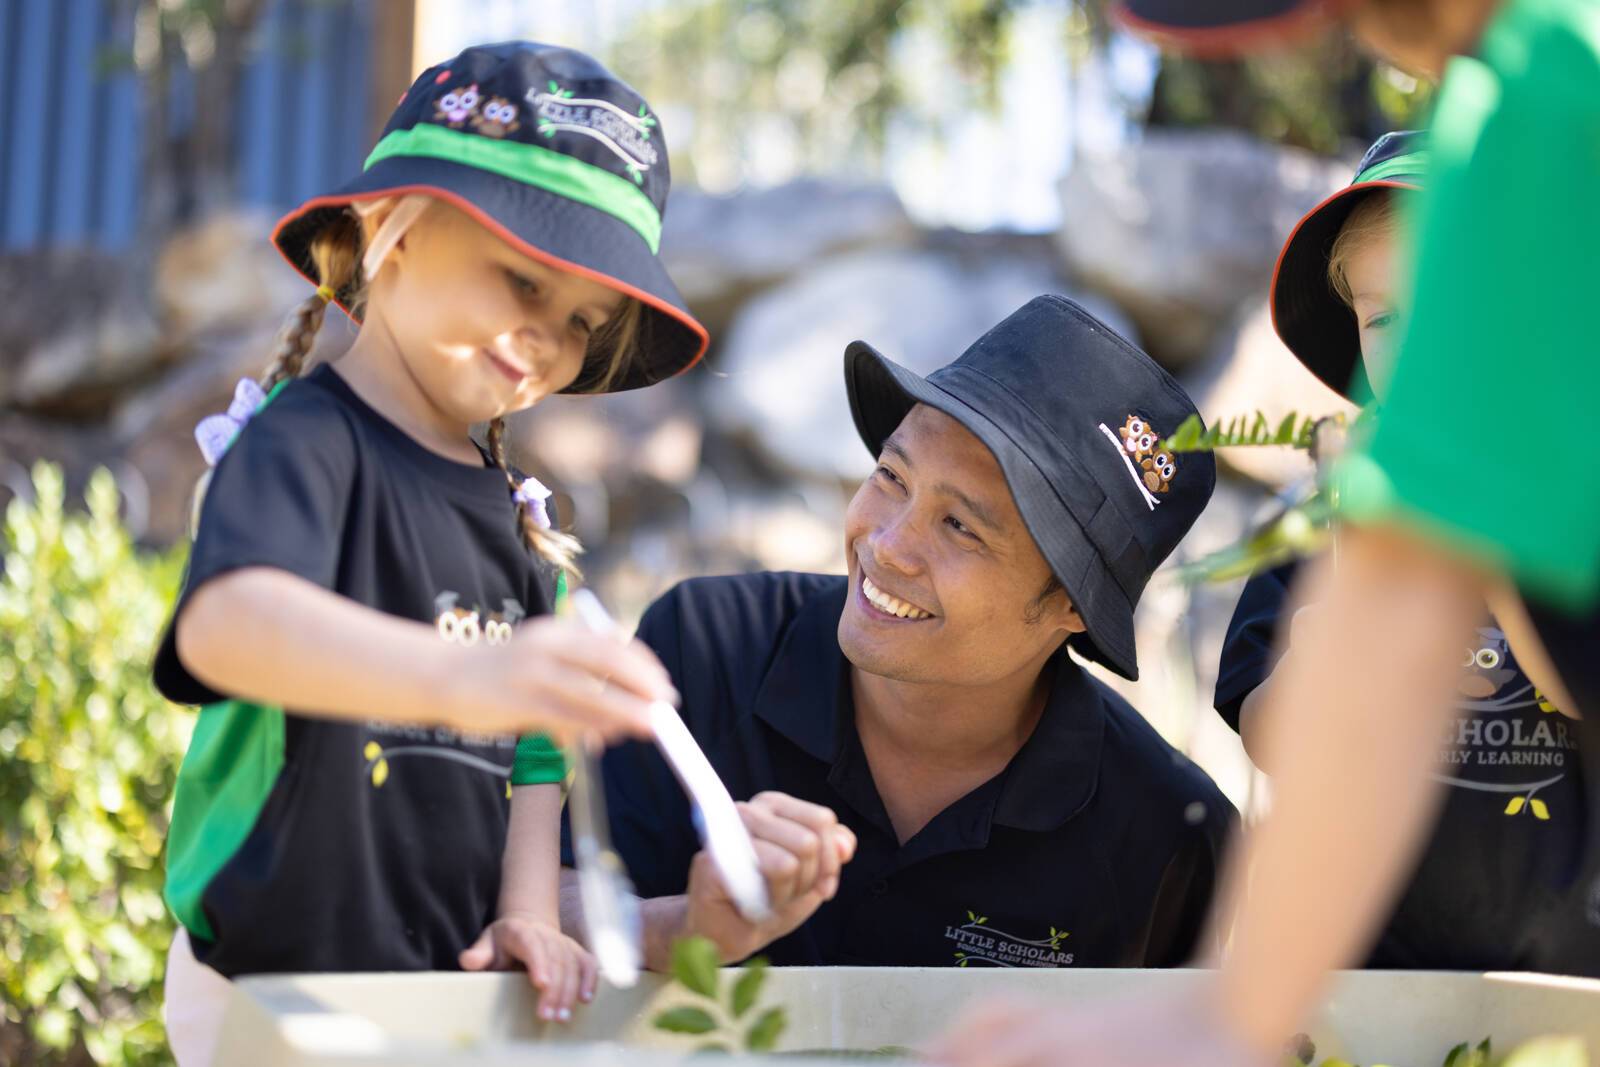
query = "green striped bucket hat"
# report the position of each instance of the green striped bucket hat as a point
(1315, 324)
(553, 154)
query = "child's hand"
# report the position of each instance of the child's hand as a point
(561, 970)
(558, 678)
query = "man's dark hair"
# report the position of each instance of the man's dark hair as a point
(1035, 609)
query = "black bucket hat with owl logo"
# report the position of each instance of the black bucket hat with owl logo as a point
(554, 155)
(1075, 416)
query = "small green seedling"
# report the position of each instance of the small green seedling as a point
(719, 1016)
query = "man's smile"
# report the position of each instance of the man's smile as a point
(886, 604)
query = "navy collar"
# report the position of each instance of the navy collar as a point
(805, 696)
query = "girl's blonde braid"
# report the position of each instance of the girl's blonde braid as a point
(561, 550)
(335, 252)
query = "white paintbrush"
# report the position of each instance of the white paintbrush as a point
(721, 829)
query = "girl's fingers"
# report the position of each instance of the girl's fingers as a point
(626, 665)
(561, 692)
(588, 976)
(482, 954)
(567, 973)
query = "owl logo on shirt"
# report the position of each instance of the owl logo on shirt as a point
(1486, 667)
(456, 624)
(459, 625)
(497, 630)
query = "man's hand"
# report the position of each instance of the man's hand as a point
(558, 967)
(801, 848)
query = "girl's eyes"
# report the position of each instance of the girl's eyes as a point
(889, 474)
(1382, 321)
(523, 285)
(581, 327)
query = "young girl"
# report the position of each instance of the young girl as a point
(362, 611)
(1490, 889)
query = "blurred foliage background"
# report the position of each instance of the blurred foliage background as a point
(88, 756)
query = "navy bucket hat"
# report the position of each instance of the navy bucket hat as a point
(1314, 323)
(1075, 416)
(554, 155)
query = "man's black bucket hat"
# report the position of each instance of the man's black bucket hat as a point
(1075, 415)
(1220, 28)
(1316, 325)
(554, 155)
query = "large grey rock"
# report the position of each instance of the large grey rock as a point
(780, 381)
(1250, 370)
(722, 249)
(223, 275)
(1184, 226)
(76, 328)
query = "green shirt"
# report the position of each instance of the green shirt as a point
(1486, 441)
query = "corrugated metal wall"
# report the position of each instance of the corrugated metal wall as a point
(71, 113)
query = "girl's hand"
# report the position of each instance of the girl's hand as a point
(561, 970)
(558, 678)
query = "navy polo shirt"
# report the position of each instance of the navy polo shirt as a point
(1099, 845)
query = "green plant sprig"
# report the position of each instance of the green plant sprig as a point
(719, 1015)
(1292, 431)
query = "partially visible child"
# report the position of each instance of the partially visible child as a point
(365, 615)
(1492, 890)
(1456, 498)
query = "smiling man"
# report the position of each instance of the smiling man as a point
(1003, 808)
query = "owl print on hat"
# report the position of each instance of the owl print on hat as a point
(456, 107)
(498, 118)
(1159, 470)
(1152, 467)
(1138, 440)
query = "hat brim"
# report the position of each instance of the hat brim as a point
(543, 226)
(1307, 313)
(1222, 29)
(882, 393)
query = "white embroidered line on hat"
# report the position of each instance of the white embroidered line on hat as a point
(1149, 497)
(627, 136)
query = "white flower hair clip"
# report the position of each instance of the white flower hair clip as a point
(215, 433)
(532, 494)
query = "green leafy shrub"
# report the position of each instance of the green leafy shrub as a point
(88, 755)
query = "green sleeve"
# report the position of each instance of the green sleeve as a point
(538, 760)
(1482, 442)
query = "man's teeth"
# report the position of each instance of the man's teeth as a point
(891, 605)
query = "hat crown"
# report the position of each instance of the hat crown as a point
(1394, 146)
(555, 99)
(1082, 397)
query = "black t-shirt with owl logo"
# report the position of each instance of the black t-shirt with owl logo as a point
(308, 844)
(1501, 884)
